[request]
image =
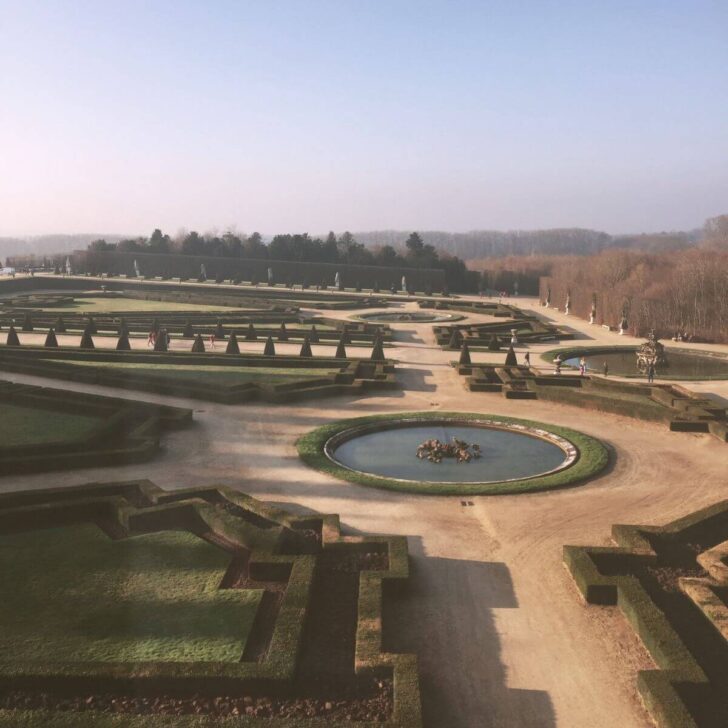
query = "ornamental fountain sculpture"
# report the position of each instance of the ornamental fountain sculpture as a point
(434, 450)
(651, 353)
(593, 312)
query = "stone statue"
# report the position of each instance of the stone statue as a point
(337, 279)
(568, 301)
(69, 269)
(623, 321)
(515, 288)
(203, 272)
(593, 313)
(136, 269)
(652, 352)
(547, 302)
(270, 276)
(404, 284)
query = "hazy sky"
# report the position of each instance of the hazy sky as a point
(308, 116)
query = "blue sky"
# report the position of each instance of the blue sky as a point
(310, 116)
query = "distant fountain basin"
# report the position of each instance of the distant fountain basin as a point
(622, 361)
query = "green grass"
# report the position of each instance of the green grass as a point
(73, 594)
(112, 304)
(31, 426)
(229, 375)
(593, 458)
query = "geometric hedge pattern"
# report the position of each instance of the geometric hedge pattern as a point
(311, 651)
(671, 583)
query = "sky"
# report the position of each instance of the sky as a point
(281, 116)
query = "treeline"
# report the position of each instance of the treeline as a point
(479, 244)
(344, 249)
(684, 291)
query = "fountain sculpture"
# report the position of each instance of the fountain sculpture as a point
(652, 352)
(434, 450)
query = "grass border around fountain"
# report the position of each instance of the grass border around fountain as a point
(570, 352)
(592, 457)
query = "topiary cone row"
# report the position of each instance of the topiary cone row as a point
(232, 345)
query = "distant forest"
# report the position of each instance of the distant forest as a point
(467, 246)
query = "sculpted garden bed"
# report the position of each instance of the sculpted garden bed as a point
(512, 456)
(672, 404)
(217, 377)
(194, 608)
(671, 583)
(52, 429)
(497, 335)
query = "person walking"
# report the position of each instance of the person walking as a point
(650, 373)
(527, 359)
(606, 369)
(151, 339)
(212, 341)
(582, 366)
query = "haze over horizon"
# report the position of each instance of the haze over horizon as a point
(452, 116)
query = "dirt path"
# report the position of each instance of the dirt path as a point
(501, 633)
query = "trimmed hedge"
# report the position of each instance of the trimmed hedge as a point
(592, 458)
(234, 521)
(612, 576)
(128, 431)
(353, 375)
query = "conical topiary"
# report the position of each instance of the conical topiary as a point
(87, 341)
(375, 288)
(306, 348)
(91, 326)
(511, 360)
(160, 343)
(188, 332)
(51, 340)
(270, 349)
(219, 330)
(494, 343)
(377, 350)
(123, 343)
(283, 332)
(28, 322)
(340, 348)
(60, 325)
(198, 347)
(155, 325)
(12, 339)
(464, 354)
(232, 345)
(313, 336)
(251, 335)
(345, 337)
(123, 326)
(456, 339)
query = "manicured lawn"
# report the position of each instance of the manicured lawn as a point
(30, 426)
(73, 594)
(114, 303)
(213, 374)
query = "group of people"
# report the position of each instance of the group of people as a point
(682, 336)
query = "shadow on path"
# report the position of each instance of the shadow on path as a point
(445, 615)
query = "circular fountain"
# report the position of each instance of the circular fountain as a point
(631, 361)
(449, 453)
